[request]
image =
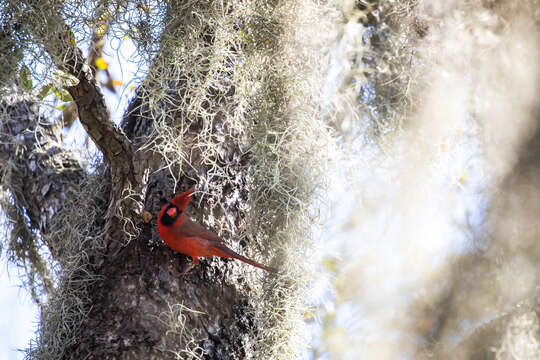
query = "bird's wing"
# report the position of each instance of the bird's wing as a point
(191, 229)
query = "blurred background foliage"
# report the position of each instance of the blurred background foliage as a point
(429, 247)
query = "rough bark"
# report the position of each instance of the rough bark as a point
(145, 309)
(141, 308)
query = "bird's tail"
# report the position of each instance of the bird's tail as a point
(256, 264)
(231, 254)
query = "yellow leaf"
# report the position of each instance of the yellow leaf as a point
(132, 87)
(117, 82)
(462, 177)
(101, 64)
(71, 37)
(330, 264)
(100, 30)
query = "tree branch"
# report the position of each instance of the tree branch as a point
(58, 40)
(127, 173)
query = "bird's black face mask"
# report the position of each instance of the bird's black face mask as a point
(171, 213)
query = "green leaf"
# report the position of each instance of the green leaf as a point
(45, 90)
(26, 78)
(63, 95)
(65, 79)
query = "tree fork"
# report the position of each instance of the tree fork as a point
(127, 166)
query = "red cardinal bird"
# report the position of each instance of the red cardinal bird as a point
(190, 238)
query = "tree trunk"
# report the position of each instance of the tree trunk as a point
(215, 113)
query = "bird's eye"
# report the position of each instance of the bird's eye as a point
(172, 212)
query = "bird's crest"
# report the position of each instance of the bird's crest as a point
(182, 200)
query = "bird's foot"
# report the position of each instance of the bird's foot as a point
(188, 269)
